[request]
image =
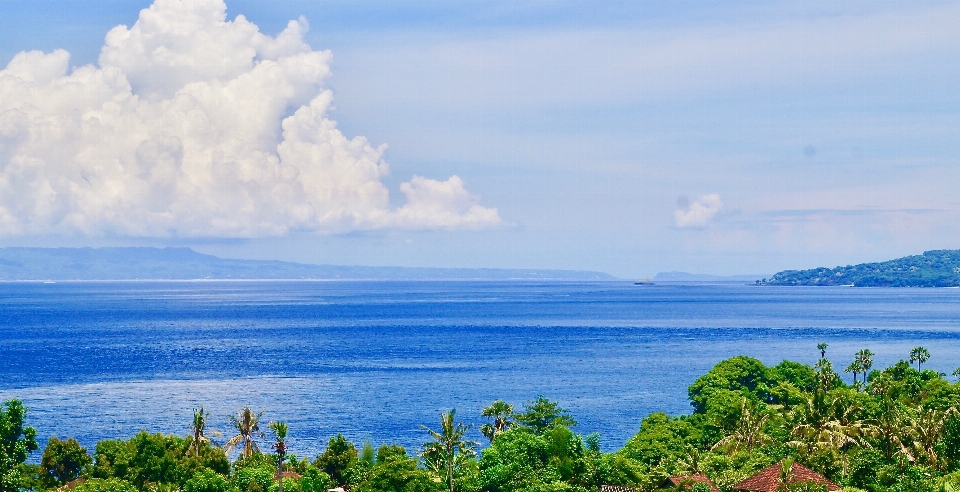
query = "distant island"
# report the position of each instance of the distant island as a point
(187, 264)
(940, 268)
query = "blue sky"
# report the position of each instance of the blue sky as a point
(627, 137)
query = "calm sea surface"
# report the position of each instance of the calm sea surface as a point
(375, 360)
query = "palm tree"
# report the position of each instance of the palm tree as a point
(855, 367)
(247, 424)
(956, 373)
(692, 460)
(199, 427)
(280, 430)
(865, 357)
(820, 424)
(748, 432)
(502, 414)
(890, 425)
(785, 477)
(923, 430)
(920, 355)
(825, 374)
(449, 449)
(822, 347)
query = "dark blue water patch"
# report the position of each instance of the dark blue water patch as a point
(378, 359)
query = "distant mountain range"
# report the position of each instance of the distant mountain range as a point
(697, 277)
(187, 264)
(940, 268)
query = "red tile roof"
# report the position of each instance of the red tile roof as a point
(768, 479)
(676, 481)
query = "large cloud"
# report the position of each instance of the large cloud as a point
(181, 131)
(699, 213)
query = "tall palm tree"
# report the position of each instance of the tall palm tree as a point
(920, 355)
(449, 449)
(247, 424)
(280, 431)
(748, 432)
(855, 367)
(865, 357)
(502, 414)
(199, 428)
(822, 347)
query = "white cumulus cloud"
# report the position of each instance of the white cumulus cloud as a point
(193, 125)
(699, 212)
(444, 204)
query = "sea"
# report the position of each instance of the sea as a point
(379, 360)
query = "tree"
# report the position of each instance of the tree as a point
(865, 357)
(395, 471)
(741, 374)
(825, 375)
(748, 432)
(822, 347)
(855, 367)
(890, 423)
(247, 425)
(105, 485)
(517, 460)
(823, 424)
(449, 448)
(919, 355)
(16, 443)
(280, 431)
(63, 461)
(207, 481)
(923, 430)
(541, 414)
(785, 478)
(502, 414)
(340, 455)
(199, 427)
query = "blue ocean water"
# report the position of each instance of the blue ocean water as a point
(376, 360)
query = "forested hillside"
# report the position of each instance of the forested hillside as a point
(940, 268)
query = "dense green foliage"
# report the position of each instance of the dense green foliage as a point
(939, 268)
(63, 461)
(895, 429)
(16, 443)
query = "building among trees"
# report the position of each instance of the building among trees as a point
(771, 478)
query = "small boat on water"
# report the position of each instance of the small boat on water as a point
(645, 281)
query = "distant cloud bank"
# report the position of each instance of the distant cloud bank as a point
(195, 126)
(698, 213)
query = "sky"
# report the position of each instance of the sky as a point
(625, 137)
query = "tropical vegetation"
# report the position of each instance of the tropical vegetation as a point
(895, 429)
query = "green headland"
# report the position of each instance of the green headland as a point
(939, 268)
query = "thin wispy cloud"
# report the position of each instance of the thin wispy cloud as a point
(194, 126)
